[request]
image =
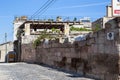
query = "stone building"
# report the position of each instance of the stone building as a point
(101, 22)
(31, 28)
(27, 31)
(18, 22)
(4, 49)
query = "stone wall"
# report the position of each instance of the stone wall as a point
(96, 56)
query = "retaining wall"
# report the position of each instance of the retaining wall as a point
(96, 56)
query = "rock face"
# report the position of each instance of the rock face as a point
(97, 56)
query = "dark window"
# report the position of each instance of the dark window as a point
(35, 29)
(85, 20)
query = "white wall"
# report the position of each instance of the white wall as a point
(16, 25)
(3, 50)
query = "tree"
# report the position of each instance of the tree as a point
(75, 19)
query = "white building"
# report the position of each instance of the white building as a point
(84, 23)
(17, 23)
(4, 49)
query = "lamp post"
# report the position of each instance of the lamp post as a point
(6, 47)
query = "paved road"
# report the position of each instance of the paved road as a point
(24, 71)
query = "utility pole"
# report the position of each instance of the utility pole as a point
(6, 47)
(19, 45)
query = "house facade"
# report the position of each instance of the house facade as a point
(4, 49)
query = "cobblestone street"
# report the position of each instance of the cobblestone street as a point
(24, 71)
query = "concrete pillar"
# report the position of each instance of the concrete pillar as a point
(109, 11)
(27, 29)
(66, 29)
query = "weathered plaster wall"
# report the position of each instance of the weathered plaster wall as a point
(3, 51)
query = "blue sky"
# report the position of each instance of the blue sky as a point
(78, 8)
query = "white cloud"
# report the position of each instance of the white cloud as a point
(80, 6)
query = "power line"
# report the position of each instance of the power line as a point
(43, 8)
(40, 8)
(47, 8)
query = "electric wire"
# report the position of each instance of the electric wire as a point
(43, 8)
(40, 8)
(46, 8)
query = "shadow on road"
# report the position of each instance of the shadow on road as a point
(69, 73)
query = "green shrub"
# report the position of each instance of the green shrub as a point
(36, 42)
(79, 29)
(41, 38)
(97, 27)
